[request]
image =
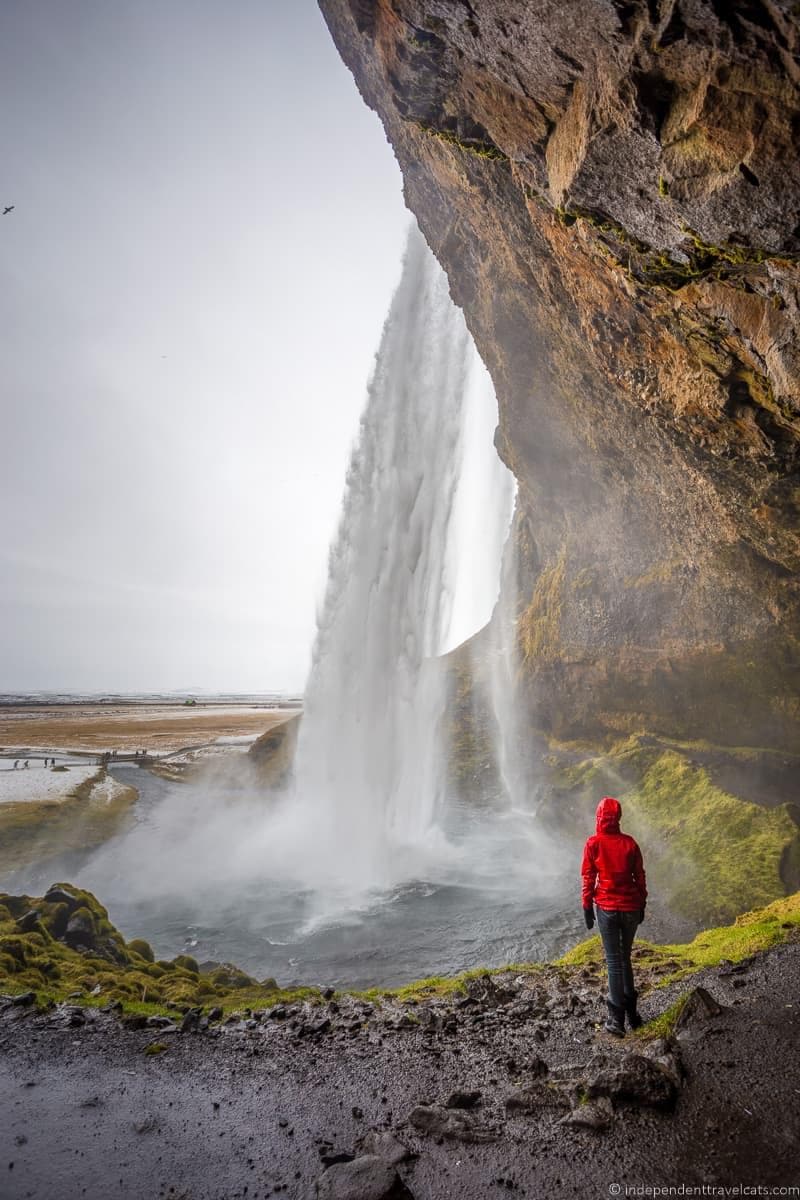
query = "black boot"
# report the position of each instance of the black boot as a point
(616, 1020)
(634, 1020)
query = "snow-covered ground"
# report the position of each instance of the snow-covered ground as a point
(41, 783)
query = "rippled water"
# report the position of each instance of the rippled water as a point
(489, 912)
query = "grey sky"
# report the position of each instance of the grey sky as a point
(207, 232)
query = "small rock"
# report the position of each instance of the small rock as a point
(29, 920)
(385, 1145)
(328, 993)
(488, 994)
(80, 930)
(134, 1021)
(698, 1008)
(595, 1114)
(536, 1096)
(331, 1157)
(447, 1123)
(666, 1053)
(214, 1014)
(191, 1020)
(22, 1000)
(634, 1078)
(365, 1178)
(159, 1022)
(58, 895)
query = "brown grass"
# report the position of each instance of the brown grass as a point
(127, 727)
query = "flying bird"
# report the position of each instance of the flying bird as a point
(8, 208)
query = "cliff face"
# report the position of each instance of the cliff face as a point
(614, 192)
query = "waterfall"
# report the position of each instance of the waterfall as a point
(369, 765)
(376, 863)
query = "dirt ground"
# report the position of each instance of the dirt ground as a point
(157, 728)
(256, 1108)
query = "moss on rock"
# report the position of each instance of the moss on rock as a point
(143, 949)
(56, 965)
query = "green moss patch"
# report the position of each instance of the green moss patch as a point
(443, 987)
(709, 854)
(539, 626)
(473, 146)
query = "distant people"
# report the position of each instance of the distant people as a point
(16, 763)
(26, 764)
(614, 880)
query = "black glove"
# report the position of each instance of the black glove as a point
(588, 916)
(641, 914)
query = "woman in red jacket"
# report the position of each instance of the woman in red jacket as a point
(614, 881)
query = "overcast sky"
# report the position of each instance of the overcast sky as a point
(207, 230)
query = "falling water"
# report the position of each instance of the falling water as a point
(369, 759)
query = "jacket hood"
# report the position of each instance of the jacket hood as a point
(609, 812)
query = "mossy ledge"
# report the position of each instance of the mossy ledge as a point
(62, 946)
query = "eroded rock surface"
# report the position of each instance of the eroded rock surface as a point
(614, 191)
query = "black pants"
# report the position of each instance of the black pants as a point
(617, 929)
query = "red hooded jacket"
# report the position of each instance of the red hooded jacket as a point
(612, 867)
